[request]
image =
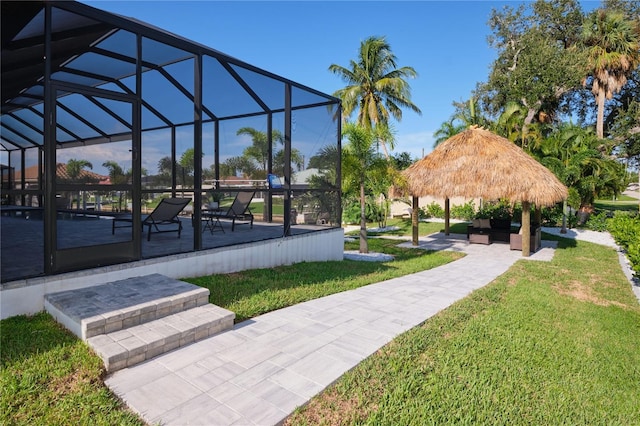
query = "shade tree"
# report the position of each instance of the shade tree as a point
(539, 61)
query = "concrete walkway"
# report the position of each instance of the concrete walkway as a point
(259, 372)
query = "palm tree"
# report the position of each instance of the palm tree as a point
(358, 156)
(573, 154)
(376, 87)
(117, 176)
(467, 114)
(74, 170)
(613, 45)
(447, 130)
(512, 124)
(75, 167)
(258, 153)
(259, 150)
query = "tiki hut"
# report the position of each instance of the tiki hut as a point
(479, 163)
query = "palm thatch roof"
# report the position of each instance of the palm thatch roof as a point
(479, 163)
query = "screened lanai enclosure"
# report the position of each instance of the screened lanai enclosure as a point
(104, 117)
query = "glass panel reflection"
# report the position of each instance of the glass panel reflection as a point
(81, 165)
(93, 225)
(156, 159)
(313, 135)
(21, 241)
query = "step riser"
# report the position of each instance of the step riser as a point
(136, 315)
(128, 347)
(130, 321)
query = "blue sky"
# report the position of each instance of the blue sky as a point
(444, 41)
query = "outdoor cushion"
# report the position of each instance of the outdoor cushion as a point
(485, 223)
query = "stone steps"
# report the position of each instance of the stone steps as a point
(132, 320)
(130, 346)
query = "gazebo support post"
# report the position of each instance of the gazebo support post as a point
(526, 229)
(414, 220)
(446, 216)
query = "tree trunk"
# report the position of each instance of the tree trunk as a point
(384, 149)
(600, 118)
(584, 212)
(531, 113)
(364, 247)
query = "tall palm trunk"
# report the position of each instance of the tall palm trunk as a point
(364, 247)
(384, 150)
(600, 118)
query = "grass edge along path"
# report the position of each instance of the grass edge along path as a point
(546, 343)
(49, 376)
(254, 292)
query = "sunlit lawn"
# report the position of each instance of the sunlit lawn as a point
(547, 343)
(405, 228)
(50, 377)
(623, 202)
(254, 292)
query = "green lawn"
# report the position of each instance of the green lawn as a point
(405, 228)
(254, 292)
(546, 343)
(622, 203)
(50, 377)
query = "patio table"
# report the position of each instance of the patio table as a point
(212, 220)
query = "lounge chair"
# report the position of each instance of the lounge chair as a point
(239, 210)
(165, 213)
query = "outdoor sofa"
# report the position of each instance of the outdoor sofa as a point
(496, 229)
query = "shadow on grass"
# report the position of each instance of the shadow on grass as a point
(563, 242)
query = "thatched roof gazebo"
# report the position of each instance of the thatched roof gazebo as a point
(479, 163)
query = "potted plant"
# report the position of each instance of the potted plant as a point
(214, 200)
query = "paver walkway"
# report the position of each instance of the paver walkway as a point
(264, 368)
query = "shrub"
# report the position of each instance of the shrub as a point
(552, 216)
(495, 210)
(350, 214)
(625, 229)
(351, 211)
(434, 210)
(597, 222)
(574, 199)
(465, 211)
(572, 220)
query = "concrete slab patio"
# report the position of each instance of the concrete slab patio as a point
(261, 370)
